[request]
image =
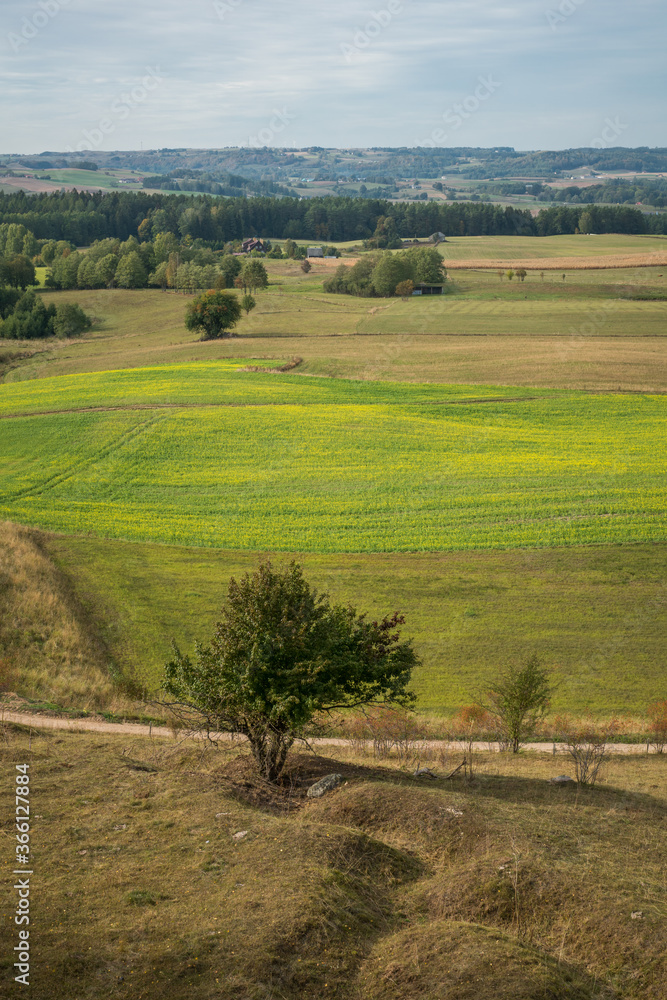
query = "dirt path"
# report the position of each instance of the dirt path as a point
(137, 729)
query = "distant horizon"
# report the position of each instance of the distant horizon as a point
(315, 146)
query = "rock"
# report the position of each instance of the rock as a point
(240, 835)
(424, 772)
(324, 785)
(562, 779)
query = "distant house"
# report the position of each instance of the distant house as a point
(423, 289)
(252, 243)
(314, 252)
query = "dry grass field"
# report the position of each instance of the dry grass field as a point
(167, 868)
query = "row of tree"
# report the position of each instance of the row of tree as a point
(83, 217)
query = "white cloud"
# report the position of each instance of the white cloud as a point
(222, 78)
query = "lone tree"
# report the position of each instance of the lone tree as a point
(248, 303)
(519, 701)
(214, 313)
(282, 653)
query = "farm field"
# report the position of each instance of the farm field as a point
(588, 612)
(337, 466)
(554, 251)
(581, 333)
(455, 427)
(511, 247)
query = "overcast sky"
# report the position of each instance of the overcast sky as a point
(533, 74)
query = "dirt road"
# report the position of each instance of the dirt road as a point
(137, 729)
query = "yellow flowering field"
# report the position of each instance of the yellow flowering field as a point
(340, 466)
(226, 382)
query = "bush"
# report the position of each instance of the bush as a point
(388, 729)
(519, 702)
(70, 320)
(31, 319)
(657, 713)
(587, 743)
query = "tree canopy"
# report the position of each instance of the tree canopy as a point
(215, 313)
(383, 272)
(280, 654)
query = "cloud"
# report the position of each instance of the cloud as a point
(351, 73)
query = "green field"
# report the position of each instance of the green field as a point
(261, 461)
(522, 247)
(104, 179)
(587, 612)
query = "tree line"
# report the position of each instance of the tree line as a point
(83, 217)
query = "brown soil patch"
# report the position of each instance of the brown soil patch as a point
(333, 262)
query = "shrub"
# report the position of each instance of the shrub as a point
(657, 713)
(388, 729)
(519, 702)
(587, 743)
(70, 320)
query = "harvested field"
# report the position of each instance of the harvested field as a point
(656, 259)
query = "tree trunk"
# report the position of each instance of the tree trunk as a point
(270, 747)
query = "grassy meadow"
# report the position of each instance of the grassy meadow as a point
(488, 461)
(262, 461)
(595, 331)
(167, 868)
(594, 614)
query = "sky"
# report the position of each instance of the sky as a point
(533, 74)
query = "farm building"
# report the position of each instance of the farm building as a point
(252, 243)
(423, 289)
(314, 252)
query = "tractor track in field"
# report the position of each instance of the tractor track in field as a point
(33, 720)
